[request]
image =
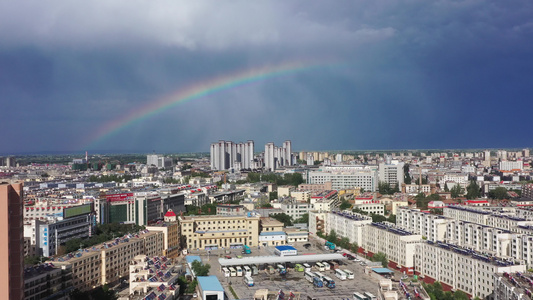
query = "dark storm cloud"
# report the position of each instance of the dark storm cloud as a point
(409, 74)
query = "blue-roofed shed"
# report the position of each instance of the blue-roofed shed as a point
(382, 271)
(285, 250)
(210, 286)
(191, 258)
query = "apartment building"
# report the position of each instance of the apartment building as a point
(430, 226)
(11, 241)
(515, 286)
(171, 242)
(346, 224)
(468, 214)
(397, 244)
(363, 178)
(371, 208)
(460, 268)
(296, 209)
(212, 232)
(46, 281)
(486, 239)
(106, 263)
(317, 221)
(153, 277)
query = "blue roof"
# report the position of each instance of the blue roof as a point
(284, 248)
(191, 258)
(273, 233)
(382, 270)
(210, 283)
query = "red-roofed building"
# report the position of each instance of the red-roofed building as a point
(477, 202)
(170, 216)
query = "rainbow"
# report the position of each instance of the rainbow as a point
(197, 91)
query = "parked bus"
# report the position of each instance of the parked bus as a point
(309, 276)
(246, 250)
(349, 274)
(307, 267)
(334, 265)
(255, 270)
(357, 296)
(317, 282)
(320, 266)
(369, 296)
(248, 280)
(340, 274)
(247, 271)
(232, 272)
(320, 275)
(299, 268)
(226, 272)
(326, 265)
(330, 283)
(239, 271)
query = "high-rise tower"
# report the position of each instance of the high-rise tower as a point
(11, 241)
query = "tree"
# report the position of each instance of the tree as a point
(284, 218)
(345, 204)
(456, 191)
(332, 236)
(406, 176)
(200, 269)
(273, 196)
(381, 257)
(378, 218)
(392, 218)
(498, 193)
(473, 190)
(303, 219)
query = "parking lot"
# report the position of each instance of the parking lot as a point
(293, 281)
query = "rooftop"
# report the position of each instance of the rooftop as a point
(210, 283)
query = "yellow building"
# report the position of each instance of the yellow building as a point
(171, 242)
(213, 231)
(106, 263)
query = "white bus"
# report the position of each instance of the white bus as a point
(248, 280)
(255, 271)
(369, 296)
(226, 272)
(307, 267)
(309, 276)
(340, 274)
(326, 265)
(320, 266)
(357, 296)
(320, 275)
(232, 272)
(349, 274)
(239, 271)
(247, 271)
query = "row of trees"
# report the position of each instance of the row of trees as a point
(435, 292)
(288, 221)
(384, 188)
(287, 179)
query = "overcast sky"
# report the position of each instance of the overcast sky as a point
(412, 74)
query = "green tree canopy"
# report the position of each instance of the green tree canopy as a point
(498, 193)
(284, 218)
(200, 269)
(381, 257)
(456, 191)
(473, 191)
(303, 219)
(345, 204)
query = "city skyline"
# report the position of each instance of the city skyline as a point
(176, 76)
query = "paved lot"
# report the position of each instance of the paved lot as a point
(294, 281)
